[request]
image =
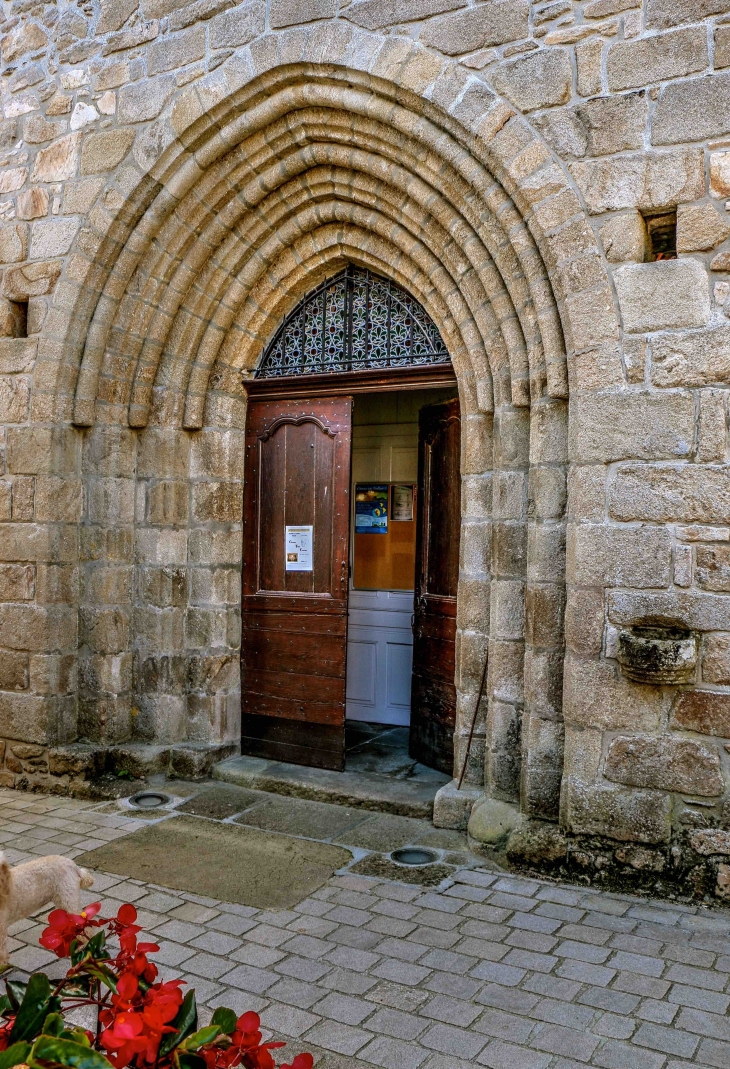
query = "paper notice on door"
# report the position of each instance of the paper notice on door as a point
(298, 549)
(402, 508)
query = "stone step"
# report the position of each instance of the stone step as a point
(377, 791)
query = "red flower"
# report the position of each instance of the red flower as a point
(65, 927)
(136, 1023)
(302, 1061)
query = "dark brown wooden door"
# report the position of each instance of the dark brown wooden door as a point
(433, 694)
(294, 639)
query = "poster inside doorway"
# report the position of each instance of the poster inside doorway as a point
(371, 508)
(298, 548)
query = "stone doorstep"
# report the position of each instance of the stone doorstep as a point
(361, 790)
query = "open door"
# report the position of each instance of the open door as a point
(433, 694)
(295, 580)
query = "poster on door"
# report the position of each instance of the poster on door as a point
(298, 548)
(371, 508)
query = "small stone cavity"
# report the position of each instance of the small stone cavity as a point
(411, 855)
(149, 800)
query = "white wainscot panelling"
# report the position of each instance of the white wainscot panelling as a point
(379, 656)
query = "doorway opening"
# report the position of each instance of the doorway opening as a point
(384, 522)
(351, 535)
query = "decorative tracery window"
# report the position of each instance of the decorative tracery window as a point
(352, 322)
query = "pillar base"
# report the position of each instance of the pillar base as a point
(492, 822)
(452, 807)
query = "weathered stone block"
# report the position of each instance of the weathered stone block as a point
(292, 12)
(13, 671)
(619, 556)
(234, 28)
(14, 398)
(665, 762)
(17, 582)
(624, 238)
(684, 492)
(700, 227)
(659, 296)
(713, 567)
(624, 425)
(23, 39)
(704, 711)
(374, 14)
(628, 815)
(177, 51)
(595, 696)
(59, 161)
(143, 101)
(104, 630)
(691, 359)
(104, 151)
(167, 502)
(649, 181)
(221, 502)
(716, 658)
(693, 110)
(490, 24)
(52, 237)
(13, 243)
(661, 14)
(541, 80)
(656, 58)
(36, 450)
(722, 47)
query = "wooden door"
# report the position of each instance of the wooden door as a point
(294, 640)
(433, 694)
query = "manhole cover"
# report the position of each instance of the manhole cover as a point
(411, 855)
(149, 800)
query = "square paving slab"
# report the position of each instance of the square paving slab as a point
(222, 861)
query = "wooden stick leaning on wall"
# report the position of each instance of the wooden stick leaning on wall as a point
(480, 692)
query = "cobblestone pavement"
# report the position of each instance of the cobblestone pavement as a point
(489, 969)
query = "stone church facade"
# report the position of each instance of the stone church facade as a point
(550, 181)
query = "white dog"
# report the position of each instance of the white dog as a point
(26, 888)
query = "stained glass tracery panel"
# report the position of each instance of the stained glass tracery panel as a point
(352, 322)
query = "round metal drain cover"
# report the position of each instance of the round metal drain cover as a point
(149, 800)
(413, 855)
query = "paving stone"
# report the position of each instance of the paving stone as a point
(338, 1037)
(451, 1011)
(614, 1055)
(393, 1054)
(453, 1041)
(564, 1041)
(658, 1012)
(288, 1020)
(499, 1055)
(668, 1040)
(503, 1025)
(344, 1008)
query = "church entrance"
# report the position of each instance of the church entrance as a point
(351, 530)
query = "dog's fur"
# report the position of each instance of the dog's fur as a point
(26, 888)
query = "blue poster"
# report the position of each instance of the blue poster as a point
(371, 508)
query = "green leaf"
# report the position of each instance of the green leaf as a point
(14, 1055)
(16, 993)
(53, 1025)
(186, 1022)
(186, 1060)
(226, 1019)
(200, 1038)
(33, 1009)
(49, 1050)
(5, 1005)
(104, 975)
